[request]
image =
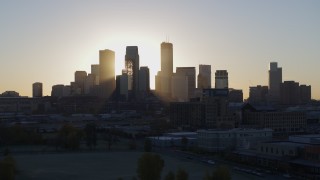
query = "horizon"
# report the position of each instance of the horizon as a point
(41, 45)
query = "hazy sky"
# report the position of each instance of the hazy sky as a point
(48, 40)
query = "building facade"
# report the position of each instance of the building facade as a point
(275, 79)
(216, 140)
(204, 77)
(132, 68)
(258, 94)
(37, 89)
(190, 73)
(106, 72)
(221, 79)
(166, 70)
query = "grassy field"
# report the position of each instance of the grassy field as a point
(99, 166)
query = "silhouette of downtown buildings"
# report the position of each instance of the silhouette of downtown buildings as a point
(133, 83)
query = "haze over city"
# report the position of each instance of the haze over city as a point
(47, 41)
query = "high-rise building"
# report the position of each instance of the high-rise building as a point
(258, 94)
(80, 79)
(275, 79)
(163, 78)
(167, 59)
(204, 76)
(235, 95)
(57, 90)
(221, 79)
(95, 69)
(289, 93)
(89, 83)
(179, 88)
(190, 72)
(144, 79)
(66, 91)
(122, 86)
(305, 94)
(132, 68)
(37, 89)
(107, 72)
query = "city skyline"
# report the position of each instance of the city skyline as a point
(39, 45)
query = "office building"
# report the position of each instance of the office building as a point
(305, 94)
(132, 68)
(221, 79)
(95, 71)
(282, 123)
(163, 79)
(144, 80)
(66, 91)
(210, 112)
(179, 88)
(37, 89)
(107, 72)
(204, 77)
(80, 79)
(235, 95)
(89, 83)
(57, 90)
(258, 94)
(289, 93)
(275, 79)
(189, 72)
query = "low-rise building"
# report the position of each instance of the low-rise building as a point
(216, 140)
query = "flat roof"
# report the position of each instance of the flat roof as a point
(286, 143)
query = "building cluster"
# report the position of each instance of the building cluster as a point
(285, 93)
(102, 82)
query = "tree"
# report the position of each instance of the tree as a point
(69, 137)
(150, 167)
(182, 175)
(221, 173)
(7, 168)
(169, 176)
(147, 145)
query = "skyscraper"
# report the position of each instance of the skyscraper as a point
(37, 89)
(163, 78)
(258, 94)
(221, 79)
(289, 93)
(190, 72)
(204, 77)
(305, 94)
(144, 79)
(95, 68)
(132, 68)
(80, 79)
(166, 59)
(275, 79)
(107, 72)
(179, 87)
